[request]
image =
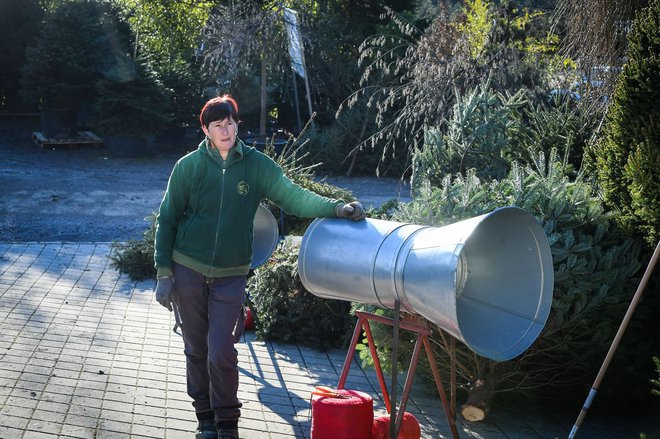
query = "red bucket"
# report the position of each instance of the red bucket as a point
(342, 414)
(409, 428)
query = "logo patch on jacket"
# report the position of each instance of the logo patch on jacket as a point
(242, 187)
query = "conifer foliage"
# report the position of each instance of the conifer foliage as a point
(593, 268)
(286, 311)
(628, 157)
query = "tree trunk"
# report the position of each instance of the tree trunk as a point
(264, 84)
(478, 402)
(349, 172)
(354, 154)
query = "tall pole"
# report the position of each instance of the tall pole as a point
(615, 343)
(309, 96)
(296, 101)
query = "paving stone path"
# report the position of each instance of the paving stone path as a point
(87, 353)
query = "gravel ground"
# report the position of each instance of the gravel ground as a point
(87, 195)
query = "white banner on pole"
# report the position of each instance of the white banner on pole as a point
(295, 43)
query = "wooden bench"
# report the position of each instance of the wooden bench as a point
(83, 138)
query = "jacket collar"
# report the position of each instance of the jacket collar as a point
(235, 154)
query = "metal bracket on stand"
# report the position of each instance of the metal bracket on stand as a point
(423, 333)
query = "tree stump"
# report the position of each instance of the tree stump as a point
(477, 405)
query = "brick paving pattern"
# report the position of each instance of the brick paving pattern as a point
(87, 353)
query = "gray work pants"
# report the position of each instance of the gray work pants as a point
(211, 311)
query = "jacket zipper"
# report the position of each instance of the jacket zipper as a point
(217, 227)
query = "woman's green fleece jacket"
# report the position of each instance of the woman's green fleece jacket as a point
(206, 217)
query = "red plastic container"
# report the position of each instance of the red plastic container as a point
(409, 428)
(349, 415)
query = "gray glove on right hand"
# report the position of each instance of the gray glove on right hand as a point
(352, 210)
(165, 292)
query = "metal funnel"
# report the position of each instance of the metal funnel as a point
(487, 280)
(266, 236)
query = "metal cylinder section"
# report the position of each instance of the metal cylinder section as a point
(487, 280)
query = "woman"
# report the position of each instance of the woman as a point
(203, 251)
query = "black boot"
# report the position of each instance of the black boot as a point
(206, 426)
(227, 429)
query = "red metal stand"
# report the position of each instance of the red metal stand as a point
(423, 333)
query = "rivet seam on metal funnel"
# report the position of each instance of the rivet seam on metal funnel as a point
(373, 264)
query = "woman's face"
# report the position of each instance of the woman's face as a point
(222, 133)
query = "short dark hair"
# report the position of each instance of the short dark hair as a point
(219, 108)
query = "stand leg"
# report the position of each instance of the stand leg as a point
(363, 323)
(351, 352)
(408, 385)
(395, 370)
(441, 390)
(379, 370)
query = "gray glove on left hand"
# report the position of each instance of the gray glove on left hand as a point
(165, 292)
(352, 210)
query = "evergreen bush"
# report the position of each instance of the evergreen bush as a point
(594, 278)
(136, 257)
(20, 22)
(628, 156)
(478, 136)
(558, 123)
(70, 54)
(488, 130)
(131, 101)
(286, 311)
(326, 146)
